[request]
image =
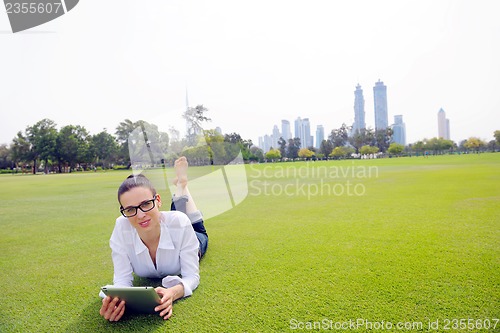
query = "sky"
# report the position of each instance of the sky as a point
(254, 63)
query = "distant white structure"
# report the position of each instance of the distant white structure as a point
(380, 105)
(399, 130)
(286, 133)
(443, 125)
(320, 135)
(303, 132)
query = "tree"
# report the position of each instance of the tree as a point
(72, 146)
(364, 136)
(293, 148)
(194, 118)
(436, 145)
(273, 154)
(338, 152)
(492, 145)
(5, 157)
(326, 147)
(367, 150)
(147, 146)
(305, 153)
(104, 149)
(282, 144)
(123, 131)
(143, 141)
(461, 146)
(339, 137)
(21, 150)
(257, 153)
(395, 148)
(496, 134)
(474, 144)
(383, 138)
(235, 140)
(418, 147)
(177, 143)
(219, 149)
(42, 137)
(199, 155)
(232, 138)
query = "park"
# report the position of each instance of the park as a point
(418, 250)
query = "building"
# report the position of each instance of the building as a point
(309, 137)
(380, 105)
(261, 143)
(359, 110)
(443, 125)
(265, 143)
(286, 133)
(320, 135)
(399, 130)
(275, 137)
(303, 132)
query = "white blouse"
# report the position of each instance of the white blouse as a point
(176, 257)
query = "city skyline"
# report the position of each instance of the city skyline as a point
(303, 126)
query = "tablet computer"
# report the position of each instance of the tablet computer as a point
(138, 299)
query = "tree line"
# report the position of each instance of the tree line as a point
(42, 147)
(340, 144)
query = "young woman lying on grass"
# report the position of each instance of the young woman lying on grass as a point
(155, 244)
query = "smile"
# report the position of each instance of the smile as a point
(144, 224)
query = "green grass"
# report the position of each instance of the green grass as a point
(421, 244)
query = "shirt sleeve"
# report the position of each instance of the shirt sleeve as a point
(188, 256)
(122, 275)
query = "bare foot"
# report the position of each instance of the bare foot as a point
(180, 167)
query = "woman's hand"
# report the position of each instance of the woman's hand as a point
(112, 309)
(168, 296)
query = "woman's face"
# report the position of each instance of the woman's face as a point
(139, 196)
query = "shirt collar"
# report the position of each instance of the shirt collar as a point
(165, 239)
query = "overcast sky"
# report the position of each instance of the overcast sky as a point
(253, 63)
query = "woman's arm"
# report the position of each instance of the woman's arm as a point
(112, 309)
(168, 297)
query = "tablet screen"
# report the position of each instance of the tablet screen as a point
(138, 299)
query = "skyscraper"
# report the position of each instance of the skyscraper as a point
(286, 133)
(307, 130)
(303, 132)
(359, 110)
(265, 143)
(399, 130)
(443, 125)
(320, 135)
(380, 101)
(275, 137)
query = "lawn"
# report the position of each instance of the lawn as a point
(315, 245)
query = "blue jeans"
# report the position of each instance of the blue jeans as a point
(179, 204)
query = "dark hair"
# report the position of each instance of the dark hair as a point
(134, 181)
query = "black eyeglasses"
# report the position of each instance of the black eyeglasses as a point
(146, 206)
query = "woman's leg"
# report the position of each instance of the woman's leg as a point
(183, 201)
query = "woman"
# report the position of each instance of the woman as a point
(156, 244)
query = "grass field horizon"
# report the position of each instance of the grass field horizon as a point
(418, 241)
